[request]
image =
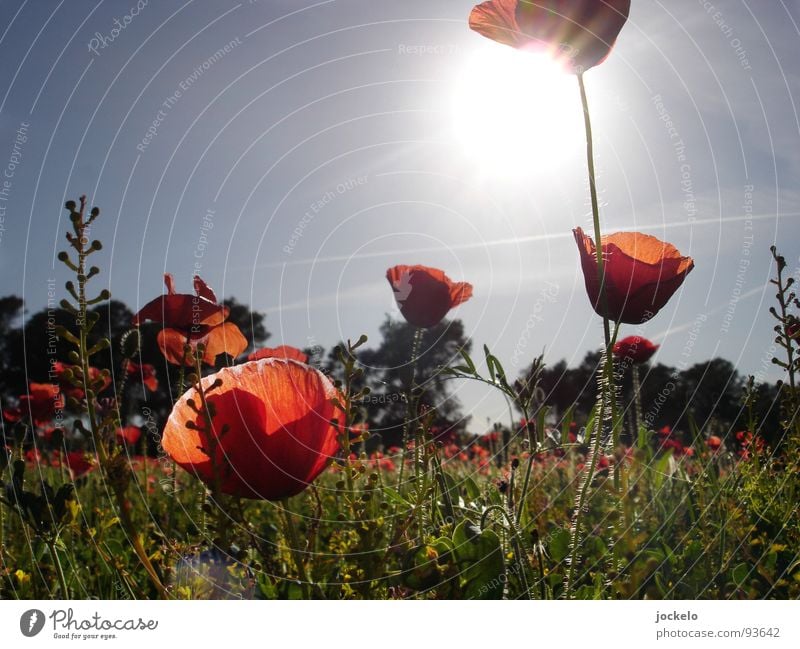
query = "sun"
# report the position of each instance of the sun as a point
(515, 113)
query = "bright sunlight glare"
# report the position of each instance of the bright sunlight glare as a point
(516, 113)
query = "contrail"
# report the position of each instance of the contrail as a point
(506, 242)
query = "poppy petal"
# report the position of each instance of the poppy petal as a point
(226, 338)
(203, 290)
(283, 351)
(496, 20)
(278, 436)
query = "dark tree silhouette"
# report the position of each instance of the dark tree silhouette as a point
(388, 374)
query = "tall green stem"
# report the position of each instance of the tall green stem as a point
(587, 122)
(608, 379)
(409, 407)
(294, 548)
(62, 580)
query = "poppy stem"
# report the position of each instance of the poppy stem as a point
(62, 581)
(608, 382)
(637, 399)
(587, 121)
(294, 548)
(415, 345)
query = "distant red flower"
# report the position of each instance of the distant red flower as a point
(579, 33)
(193, 319)
(78, 463)
(793, 328)
(129, 434)
(41, 403)
(749, 444)
(284, 351)
(272, 429)
(642, 273)
(425, 295)
(146, 373)
(69, 387)
(714, 443)
(381, 462)
(635, 348)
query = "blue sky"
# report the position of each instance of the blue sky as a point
(337, 120)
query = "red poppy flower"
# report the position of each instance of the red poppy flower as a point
(68, 387)
(714, 443)
(193, 319)
(272, 429)
(578, 33)
(635, 348)
(129, 435)
(642, 273)
(425, 295)
(284, 351)
(145, 373)
(41, 402)
(78, 463)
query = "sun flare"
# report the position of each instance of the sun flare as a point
(515, 113)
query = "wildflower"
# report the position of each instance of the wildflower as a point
(72, 383)
(577, 33)
(192, 320)
(129, 435)
(146, 373)
(641, 274)
(78, 463)
(271, 433)
(635, 348)
(425, 295)
(41, 403)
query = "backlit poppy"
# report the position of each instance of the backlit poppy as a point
(194, 320)
(635, 348)
(642, 273)
(146, 373)
(272, 429)
(578, 33)
(284, 351)
(425, 295)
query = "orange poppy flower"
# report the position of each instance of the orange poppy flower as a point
(578, 33)
(635, 348)
(284, 351)
(272, 429)
(425, 295)
(642, 273)
(194, 320)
